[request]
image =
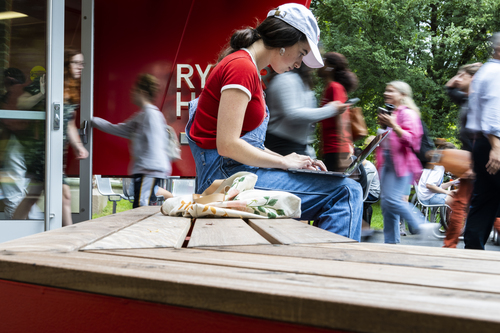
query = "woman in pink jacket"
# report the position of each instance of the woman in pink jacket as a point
(397, 163)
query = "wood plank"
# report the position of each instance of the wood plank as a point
(223, 232)
(306, 299)
(466, 281)
(155, 231)
(289, 231)
(413, 249)
(75, 236)
(372, 257)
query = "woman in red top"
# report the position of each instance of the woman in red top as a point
(227, 125)
(337, 137)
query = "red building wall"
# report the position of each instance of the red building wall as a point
(152, 36)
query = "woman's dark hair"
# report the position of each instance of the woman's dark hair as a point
(273, 31)
(338, 68)
(13, 76)
(149, 84)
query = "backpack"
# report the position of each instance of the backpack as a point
(425, 145)
(173, 145)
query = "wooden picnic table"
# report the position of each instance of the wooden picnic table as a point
(137, 271)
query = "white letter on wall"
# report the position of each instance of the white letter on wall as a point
(184, 76)
(203, 75)
(179, 104)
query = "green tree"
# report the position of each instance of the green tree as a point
(421, 42)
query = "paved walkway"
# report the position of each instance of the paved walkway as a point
(432, 241)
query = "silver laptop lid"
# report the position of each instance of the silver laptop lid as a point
(364, 154)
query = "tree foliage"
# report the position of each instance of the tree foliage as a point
(421, 42)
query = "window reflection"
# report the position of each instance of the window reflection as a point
(22, 106)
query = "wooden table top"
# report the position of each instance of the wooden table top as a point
(281, 270)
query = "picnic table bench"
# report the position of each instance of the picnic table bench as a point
(137, 271)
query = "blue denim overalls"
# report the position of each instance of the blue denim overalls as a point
(335, 203)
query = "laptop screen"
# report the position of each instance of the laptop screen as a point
(367, 151)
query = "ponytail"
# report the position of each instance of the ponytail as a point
(240, 39)
(274, 32)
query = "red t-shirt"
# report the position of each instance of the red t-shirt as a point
(337, 137)
(238, 71)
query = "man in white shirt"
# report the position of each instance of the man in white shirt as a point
(484, 121)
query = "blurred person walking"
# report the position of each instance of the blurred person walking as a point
(337, 142)
(147, 131)
(73, 66)
(293, 112)
(397, 162)
(458, 91)
(484, 121)
(12, 162)
(336, 131)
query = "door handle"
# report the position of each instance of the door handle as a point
(84, 131)
(56, 125)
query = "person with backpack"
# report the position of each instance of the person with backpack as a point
(397, 162)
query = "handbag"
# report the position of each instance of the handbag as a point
(235, 197)
(358, 124)
(455, 161)
(173, 145)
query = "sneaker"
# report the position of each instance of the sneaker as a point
(402, 229)
(427, 229)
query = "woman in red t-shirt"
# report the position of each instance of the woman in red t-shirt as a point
(227, 125)
(337, 136)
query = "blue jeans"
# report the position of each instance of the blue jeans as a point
(334, 203)
(436, 199)
(392, 190)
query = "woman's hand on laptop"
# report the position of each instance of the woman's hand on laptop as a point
(319, 165)
(296, 161)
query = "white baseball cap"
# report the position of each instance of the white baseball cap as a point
(302, 19)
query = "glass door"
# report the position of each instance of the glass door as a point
(31, 116)
(78, 87)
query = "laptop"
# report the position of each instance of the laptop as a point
(355, 163)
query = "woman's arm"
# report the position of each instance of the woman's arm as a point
(26, 101)
(122, 129)
(406, 129)
(75, 141)
(447, 185)
(436, 189)
(290, 93)
(232, 108)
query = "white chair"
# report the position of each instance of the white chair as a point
(128, 192)
(432, 213)
(367, 209)
(104, 188)
(369, 179)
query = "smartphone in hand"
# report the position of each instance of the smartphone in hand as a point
(352, 100)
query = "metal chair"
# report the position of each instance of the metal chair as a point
(432, 213)
(104, 188)
(367, 209)
(369, 179)
(127, 191)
